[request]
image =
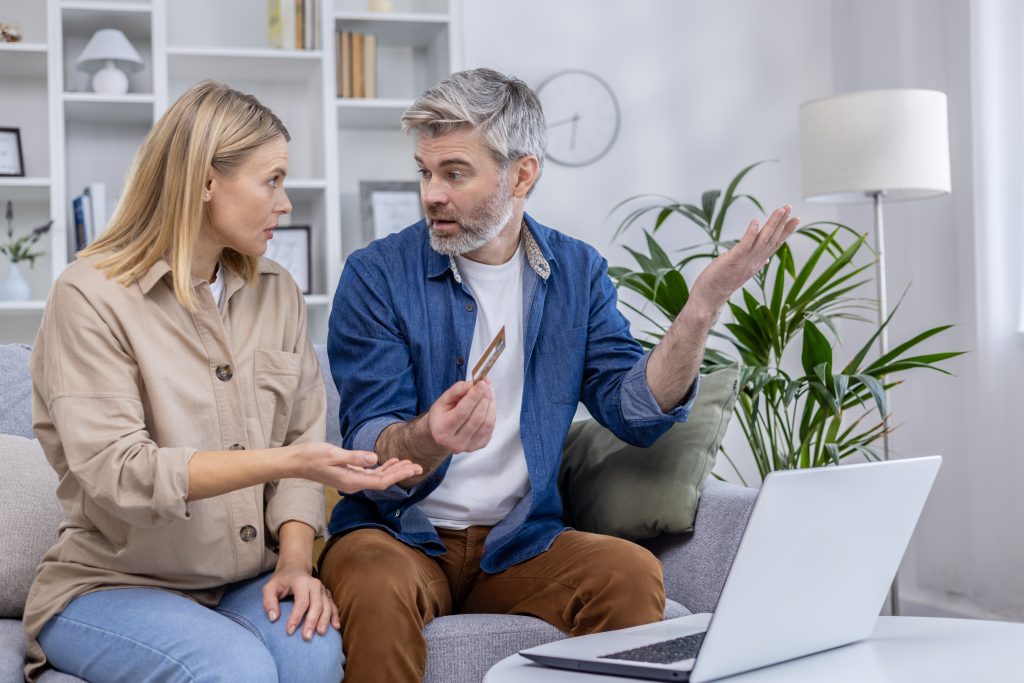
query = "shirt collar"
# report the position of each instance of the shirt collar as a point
(538, 254)
(232, 282)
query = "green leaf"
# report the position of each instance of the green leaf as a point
(816, 350)
(877, 392)
(646, 264)
(805, 273)
(708, 201)
(716, 229)
(671, 292)
(658, 256)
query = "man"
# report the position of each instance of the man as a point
(480, 531)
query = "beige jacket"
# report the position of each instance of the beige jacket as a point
(127, 386)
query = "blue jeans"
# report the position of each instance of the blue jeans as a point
(151, 635)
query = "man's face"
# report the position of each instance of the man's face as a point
(466, 196)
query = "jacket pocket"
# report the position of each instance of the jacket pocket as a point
(276, 375)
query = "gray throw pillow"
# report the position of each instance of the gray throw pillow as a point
(29, 517)
(610, 487)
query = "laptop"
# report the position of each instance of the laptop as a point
(812, 572)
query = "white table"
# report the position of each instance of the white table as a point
(899, 649)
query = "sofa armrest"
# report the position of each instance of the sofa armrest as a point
(696, 564)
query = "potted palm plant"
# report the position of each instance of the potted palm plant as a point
(822, 411)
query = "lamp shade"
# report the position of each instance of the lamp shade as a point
(109, 45)
(890, 141)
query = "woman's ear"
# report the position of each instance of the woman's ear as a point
(208, 188)
(525, 175)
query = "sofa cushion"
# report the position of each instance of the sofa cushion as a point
(611, 487)
(29, 517)
(463, 647)
(15, 391)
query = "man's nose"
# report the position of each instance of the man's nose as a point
(433, 192)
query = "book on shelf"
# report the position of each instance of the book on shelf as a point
(343, 65)
(90, 213)
(356, 62)
(358, 84)
(294, 24)
(369, 66)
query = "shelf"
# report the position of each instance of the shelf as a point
(304, 189)
(23, 60)
(318, 300)
(248, 64)
(379, 113)
(24, 189)
(87, 107)
(85, 18)
(106, 6)
(15, 307)
(417, 30)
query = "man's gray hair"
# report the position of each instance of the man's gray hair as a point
(504, 109)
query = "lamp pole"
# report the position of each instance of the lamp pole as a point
(883, 348)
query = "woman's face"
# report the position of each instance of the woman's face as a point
(245, 203)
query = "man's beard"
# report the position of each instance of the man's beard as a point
(476, 229)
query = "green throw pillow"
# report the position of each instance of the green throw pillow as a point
(610, 487)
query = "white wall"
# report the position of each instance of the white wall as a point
(707, 87)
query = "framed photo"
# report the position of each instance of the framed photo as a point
(388, 206)
(11, 162)
(290, 248)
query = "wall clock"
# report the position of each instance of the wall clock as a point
(582, 115)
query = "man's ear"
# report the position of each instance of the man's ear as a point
(525, 172)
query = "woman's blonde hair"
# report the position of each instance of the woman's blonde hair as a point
(160, 212)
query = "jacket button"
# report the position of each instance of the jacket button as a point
(459, 361)
(469, 308)
(247, 533)
(224, 372)
(398, 513)
(236, 447)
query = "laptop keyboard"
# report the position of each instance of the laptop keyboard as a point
(665, 652)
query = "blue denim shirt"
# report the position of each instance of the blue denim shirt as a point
(399, 336)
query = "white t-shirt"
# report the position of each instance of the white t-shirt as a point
(482, 487)
(217, 287)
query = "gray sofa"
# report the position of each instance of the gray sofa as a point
(460, 648)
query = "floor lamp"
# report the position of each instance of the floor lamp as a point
(874, 145)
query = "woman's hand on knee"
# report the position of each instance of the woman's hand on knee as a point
(313, 606)
(351, 471)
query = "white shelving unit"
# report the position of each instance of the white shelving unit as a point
(72, 137)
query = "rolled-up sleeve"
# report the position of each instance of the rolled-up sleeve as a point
(615, 388)
(90, 386)
(639, 404)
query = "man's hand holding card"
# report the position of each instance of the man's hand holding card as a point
(462, 419)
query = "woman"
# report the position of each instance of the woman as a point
(180, 402)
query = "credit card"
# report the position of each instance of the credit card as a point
(491, 353)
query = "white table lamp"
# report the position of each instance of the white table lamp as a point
(109, 56)
(870, 145)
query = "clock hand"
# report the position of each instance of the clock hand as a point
(572, 142)
(563, 121)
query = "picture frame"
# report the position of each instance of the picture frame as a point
(290, 248)
(387, 206)
(12, 163)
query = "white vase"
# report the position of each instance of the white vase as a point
(15, 287)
